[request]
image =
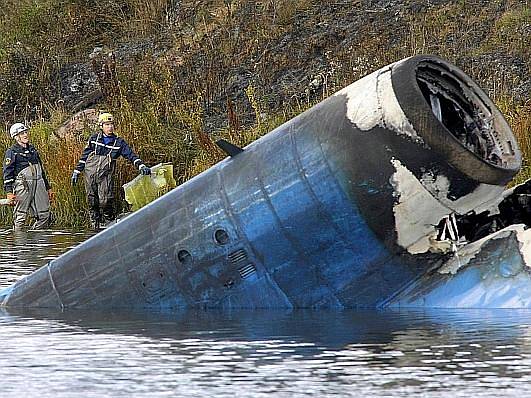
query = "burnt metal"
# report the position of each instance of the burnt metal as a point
(461, 112)
(515, 208)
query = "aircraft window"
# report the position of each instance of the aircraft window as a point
(221, 237)
(184, 257)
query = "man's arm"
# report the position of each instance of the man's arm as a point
(128, 154)
(9, 171)
(86, 152)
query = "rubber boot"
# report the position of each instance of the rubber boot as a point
(95, 220)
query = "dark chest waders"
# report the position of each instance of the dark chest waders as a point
(32, 198)
(99, 185)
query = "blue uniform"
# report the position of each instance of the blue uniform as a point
(24, 176)
(17, 158)
(98, 162)
(103, 146)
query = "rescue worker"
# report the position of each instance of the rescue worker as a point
(98, 162)
(25, 181)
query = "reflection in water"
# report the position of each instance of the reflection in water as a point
(429, 353)
(289, 353)
(23, 252)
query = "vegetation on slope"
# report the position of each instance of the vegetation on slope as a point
(189, 71)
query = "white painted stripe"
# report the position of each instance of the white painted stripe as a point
(77, 171)
(106, 146)
(82, 161)
(8, 181)
(138, 160)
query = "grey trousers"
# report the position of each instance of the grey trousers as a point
(99, 186)
(32, 199)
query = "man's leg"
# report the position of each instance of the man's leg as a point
(22, 204)
(109, 213)
(91, 190)
(19, 217)
(106, 198)
(41, 206)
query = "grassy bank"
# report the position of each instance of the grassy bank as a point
(183, 88)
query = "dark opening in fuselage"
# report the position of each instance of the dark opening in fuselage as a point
(515, 208)
(461, 111)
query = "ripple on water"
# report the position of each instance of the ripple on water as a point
(426, 353)
(23, 252)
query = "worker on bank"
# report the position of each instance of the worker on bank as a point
(25, 181)
(98, 162)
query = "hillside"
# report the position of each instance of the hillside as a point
(184, 71)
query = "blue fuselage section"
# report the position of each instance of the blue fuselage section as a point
(315, 214)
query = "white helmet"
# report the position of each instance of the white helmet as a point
(16, 129)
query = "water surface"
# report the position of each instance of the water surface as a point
(430, 353)
(23, 252)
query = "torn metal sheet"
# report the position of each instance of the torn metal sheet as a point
(365, 200)
(491, 273)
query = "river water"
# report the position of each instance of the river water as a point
(428, 353)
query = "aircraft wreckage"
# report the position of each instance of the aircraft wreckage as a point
(389, 193)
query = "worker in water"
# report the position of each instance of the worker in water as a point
(98, 162)
(25, 182)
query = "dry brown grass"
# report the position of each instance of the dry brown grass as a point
(165, 98)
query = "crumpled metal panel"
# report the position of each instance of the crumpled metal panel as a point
(492, 273)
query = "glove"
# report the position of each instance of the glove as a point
(75, 176)
(144, 170)
(12, 198)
